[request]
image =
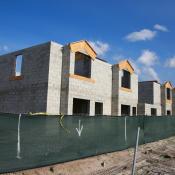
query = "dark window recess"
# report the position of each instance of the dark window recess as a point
(82, 65)
(98, 108)
(168, 93)
(81, 106)
(126, 79)
(125, 110)
(168, 112)
(18, 65)
(153, 111)
(134, 111)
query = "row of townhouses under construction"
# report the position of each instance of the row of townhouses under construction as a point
(71, 79)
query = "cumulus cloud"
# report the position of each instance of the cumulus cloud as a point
(135, 66)
(100, 47)
(148, 58)
(3, 48)
(149, 73)
(118, 57)
(170, 62)
(142, 35)
(160, 27)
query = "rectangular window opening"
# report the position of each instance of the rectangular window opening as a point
(134, 113)
(82, 65)
(153, 111)
(18, 65)
(168, 112)
(81, 106)
(168, 94)
(126, 79)
(125, 110)
(98, 108)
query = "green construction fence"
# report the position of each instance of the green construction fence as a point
(44, 140)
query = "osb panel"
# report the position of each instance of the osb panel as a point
(82, 78)
(125, 89)
(126, 66)
(83, 46)
(168, 85)
(16, 78)
(169, 101)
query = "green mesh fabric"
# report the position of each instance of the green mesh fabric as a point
(46, 140)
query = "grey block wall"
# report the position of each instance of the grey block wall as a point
(54, 79)
(173, 99)
(146, 92)
(149, 97)
(145, 109)
(120, 96)
(165, 105)
(98, 91)
(30, 93)
(65, 80)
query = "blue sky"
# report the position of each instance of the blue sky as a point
(142, 31)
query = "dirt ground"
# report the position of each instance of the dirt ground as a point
(156, 158)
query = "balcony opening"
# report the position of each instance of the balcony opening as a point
(82, 65)
(18, 65)
(168, 94)
(81, 106)
(134, 113)
(153, 111)
(125, 110)
(98, 108)
(126, 79)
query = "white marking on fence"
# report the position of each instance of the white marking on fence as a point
(135, 152)
(18, 143)
(79, 129)
(125, 130)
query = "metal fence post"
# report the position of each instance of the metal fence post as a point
(135, 152)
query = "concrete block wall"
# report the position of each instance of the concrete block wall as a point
(30, 93)
(145, 109)
(146, 92)
(54, 79)
(149, 97)
(115, 90)
(46, 84)
(120, 96)
(173, 100)
(97, 91)
(157, 93)
(164, 103)
(66, 58)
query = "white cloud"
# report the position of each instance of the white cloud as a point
(148, 58)
(149, 73)
(118, 57)
(100, 47)
(142, 35)
(160, 27)
(135, 66)
(3, 48)
(170, 62)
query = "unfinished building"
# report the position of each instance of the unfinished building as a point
(86, 81)
(55, 79)
(124, 89)
(166, 98)
(30, 79)
(149, 98)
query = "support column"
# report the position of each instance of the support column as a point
(92, 108)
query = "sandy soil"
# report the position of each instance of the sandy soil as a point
(156, 158)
